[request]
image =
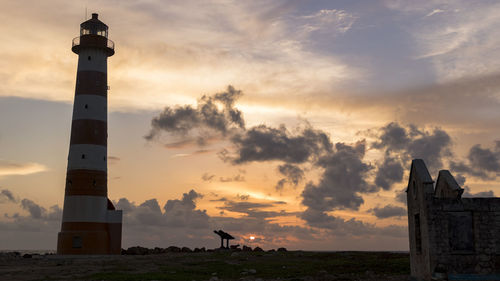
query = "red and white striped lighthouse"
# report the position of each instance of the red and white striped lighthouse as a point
(90, 223)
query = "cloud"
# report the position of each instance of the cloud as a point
(411, 142)
(401, 196)
(263, 143)
(210, 177)
(34, 209)
(481, 162)
(331, 22)
(293, 175)
(388, 211)
(389, 172)
(207, 177)
(10, 168)
(468, 193)
(467, 190)
(206, 119)
(7, 194)
(253, 209)
(342, 181)
(456, 38)
(237, 178)
(176, 213)
(351, 227)
(36, 230)
(400, 144)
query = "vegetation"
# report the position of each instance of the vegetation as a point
(264, 265)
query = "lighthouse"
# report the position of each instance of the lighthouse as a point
(90, 223)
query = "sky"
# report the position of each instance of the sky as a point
(294, 122)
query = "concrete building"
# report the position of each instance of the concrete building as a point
(90, 223)
(450, 236)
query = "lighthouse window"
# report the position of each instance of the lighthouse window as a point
(86, 106)
(77, 242)
(89, 58)
(83, 156)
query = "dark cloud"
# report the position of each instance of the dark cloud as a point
(34, 209)
(243, 197)
(411, 142)
(389, 172)
(352, 227)
(210, 177)
(263, 143)
(481, 162)
(401, 196)
(7, 194)
(205, 121)
(293, 175)
(176, 213)
(207, 177)
(342, 181)
(400, 144)
(468, 193)
(388, 211)
(253, 209)
(237, 178)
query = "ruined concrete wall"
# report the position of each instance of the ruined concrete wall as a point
(464, 235)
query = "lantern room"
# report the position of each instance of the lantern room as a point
(93, 35)
(94, 26)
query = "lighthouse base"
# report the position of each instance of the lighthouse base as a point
(88, 238)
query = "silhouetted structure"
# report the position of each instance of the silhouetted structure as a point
(224, 235)
(450, 236)
(90, 223)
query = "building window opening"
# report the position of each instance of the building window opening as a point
(83, 156)
(94, 183)
(77, 242)
(418, 235)
(86, 106)
(89, 58)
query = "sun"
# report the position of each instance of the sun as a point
(252, 237)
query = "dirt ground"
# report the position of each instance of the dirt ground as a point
(213, 266)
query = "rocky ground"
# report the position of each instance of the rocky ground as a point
(208, 265)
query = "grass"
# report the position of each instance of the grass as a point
(288, 265)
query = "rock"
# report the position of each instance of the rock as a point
(258, 249)
(214, 278)
(173, 249)
(252, 271)
(234, 247)
(282, 250)
(186, 250)
(246, 249)
(27, 256)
